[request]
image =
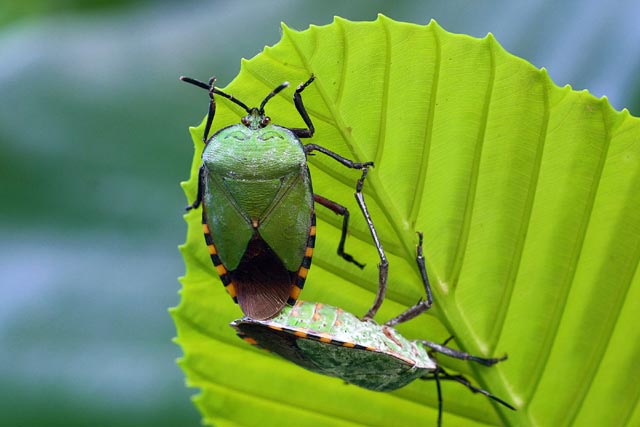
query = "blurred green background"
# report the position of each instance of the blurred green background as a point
(93, 144)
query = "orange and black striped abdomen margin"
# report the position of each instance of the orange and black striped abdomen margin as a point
(215, 258)
(321, 337)
(296, 288)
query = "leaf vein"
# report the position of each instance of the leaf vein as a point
(516, 260)
(424, 160)
(606, 332)
(463, 238)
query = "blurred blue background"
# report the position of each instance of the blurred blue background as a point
(93, 144)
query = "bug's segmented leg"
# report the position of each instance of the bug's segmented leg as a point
(200, 192)
(439, 348)
(212, 111)
(297, 100)
(421, 306)
(436, 376)
(335, 156)
(212, 102)
(441, 374)
(338, 209)
(383, 267)
(305, 265)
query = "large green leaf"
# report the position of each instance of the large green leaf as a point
(528, 196)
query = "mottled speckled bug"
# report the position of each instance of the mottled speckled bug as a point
(331, 341)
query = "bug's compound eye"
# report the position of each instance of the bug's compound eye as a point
(245, 121)
(265, 121)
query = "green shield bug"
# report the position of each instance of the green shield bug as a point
(333, 342)
(258, 205)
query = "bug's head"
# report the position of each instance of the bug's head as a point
(256, 117)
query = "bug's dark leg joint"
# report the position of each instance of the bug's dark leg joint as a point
(423, 269)
(338, 209)
(421, 306)
(383, 272)
(212, 103)
(297, 101)
(360, 184)
(302, 86)
(211, 114)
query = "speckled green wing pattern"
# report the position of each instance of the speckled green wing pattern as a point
(331, 341)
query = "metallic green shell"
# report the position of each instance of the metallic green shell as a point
(330, 341)
(257, 177)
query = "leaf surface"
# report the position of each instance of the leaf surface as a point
(528, 197)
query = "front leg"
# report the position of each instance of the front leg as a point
(335, 156)
(198, 200)
(297, 101)
(212, 102)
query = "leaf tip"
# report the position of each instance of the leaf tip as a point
(287, 30)
(491, 40)
(195, 134)
(339, 20)
(626, 114)
(433, 23)
(545, 77)
(382, 17)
